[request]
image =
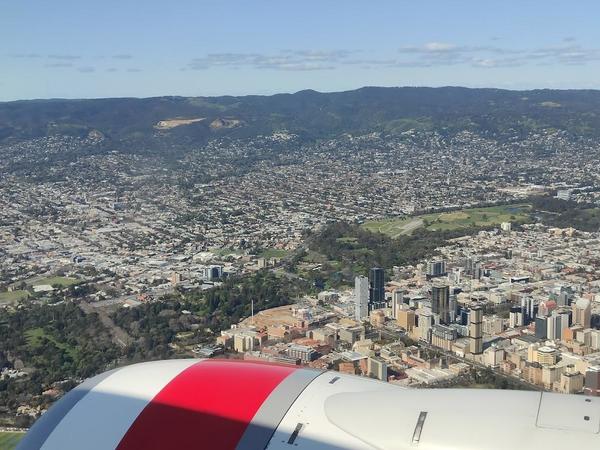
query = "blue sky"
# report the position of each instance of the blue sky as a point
(109, 48)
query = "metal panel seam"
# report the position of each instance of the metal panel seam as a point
(267, 419)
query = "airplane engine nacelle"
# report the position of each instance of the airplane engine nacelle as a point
(230, 404)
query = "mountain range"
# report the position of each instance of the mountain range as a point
(447, 110)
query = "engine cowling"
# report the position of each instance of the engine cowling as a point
(230, 404)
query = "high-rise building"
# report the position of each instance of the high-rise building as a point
(212, 273)
(376, 288)
(443, 336)
(582, 312)
(475, 330)
(567, 319)
(397, 302)
(477, 271)
(493, 325)
(361, 298)
(592, 381)
(555, 325)
(595, 340)
(562, 295)
(464, 316)
(527, 309)
(469, 262)
(406, 318)
(436, 269)
(452, 305)
(585, 336)
(440, 302)
(473, 268)
(424, 324)
(541, 327)
(515, 317)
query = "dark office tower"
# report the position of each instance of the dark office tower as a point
(541, 327)
(376, 287)
(440, 302)
(528, 310)
(464, 316)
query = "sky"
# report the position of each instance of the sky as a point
(125, 48)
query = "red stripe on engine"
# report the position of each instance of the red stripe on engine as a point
(208, 405)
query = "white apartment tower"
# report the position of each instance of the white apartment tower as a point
(361, 298)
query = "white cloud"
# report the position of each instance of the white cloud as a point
(439, 47)
(429, 54)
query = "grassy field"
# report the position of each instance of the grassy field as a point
(12, 297)
(274, 253)
(34, 337)
(9, 439)
(453, 220)
(61, 281)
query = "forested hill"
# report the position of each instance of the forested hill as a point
(447, 110)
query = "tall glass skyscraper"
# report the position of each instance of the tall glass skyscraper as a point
(440, 302)
(376, 287)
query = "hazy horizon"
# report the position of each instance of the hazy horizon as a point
(299, 91)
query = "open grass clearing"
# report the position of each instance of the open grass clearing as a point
(35, 337)
(452, 220)
(12, 297)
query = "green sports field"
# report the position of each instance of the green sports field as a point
(61, 281)
(452, 220)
